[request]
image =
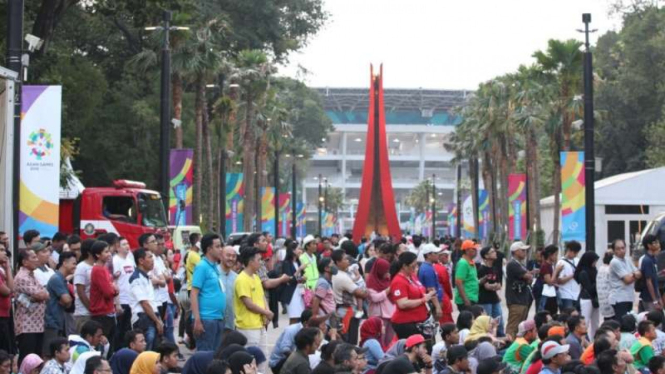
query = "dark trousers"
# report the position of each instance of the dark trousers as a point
(621, 309)
(462, 307)
(7, 340)
(404, 330)
(123, 326)
(108, 326)
(29, 343)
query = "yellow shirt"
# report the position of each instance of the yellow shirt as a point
(193, 259)
(249, 287)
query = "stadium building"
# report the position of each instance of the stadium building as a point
(418, 123)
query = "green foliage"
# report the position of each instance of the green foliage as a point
(655, 138)
(420, 197)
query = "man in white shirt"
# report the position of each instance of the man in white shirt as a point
(415, 247)
(82, 284)
(564, 273)
(145, 315)
(123, 268)
(346, 291)
(44, 272)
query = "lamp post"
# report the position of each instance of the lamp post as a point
(233, 94)
(164, 105)
(294, 213)
(433, 202)
(320, 205)
(589, 157)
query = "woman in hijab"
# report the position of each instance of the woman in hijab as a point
(369, 331)
(481, 327)
(585, 275)
(31, 364)
(394, 351)
(378, 284)
(218, 367)
(121, 362)
(242, 363)
(145, 363)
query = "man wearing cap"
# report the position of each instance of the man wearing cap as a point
(466, 277)
(490, 366)
(44, 272)
(554, 356)
(416, 351)
(308, 259)
(458, 360)
(518, 287)
(517, 353)
(428, 277)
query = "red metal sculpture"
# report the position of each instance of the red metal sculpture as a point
(376, 207)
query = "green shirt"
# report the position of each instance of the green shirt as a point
(529, 359)
(642, 352)
(311, 270)
(468, 274)
(517, 353)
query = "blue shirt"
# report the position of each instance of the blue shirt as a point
(374, 353)
(650, 274)
(229, 281)
(212, 301)
(55, 313)
(285, 344)
(427, 276)
(546, 370)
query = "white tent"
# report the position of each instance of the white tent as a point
(625, 203)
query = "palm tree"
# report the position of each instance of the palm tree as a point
(561, 66)
(252, 73)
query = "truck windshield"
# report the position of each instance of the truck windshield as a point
(152, 210)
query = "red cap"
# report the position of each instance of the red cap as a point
(414, 340)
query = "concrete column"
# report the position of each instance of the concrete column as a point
(421, 168)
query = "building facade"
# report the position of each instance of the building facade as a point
(418, 124)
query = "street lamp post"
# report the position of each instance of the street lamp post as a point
(320, 204)
(294, 213)
(165, 107)
(589, 157)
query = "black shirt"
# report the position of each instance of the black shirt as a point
(486, 296)
(323, 368)
(517, 290)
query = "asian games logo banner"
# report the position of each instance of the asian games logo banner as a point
(182, 175)
(467, 218)
(268, 209)
(300, 219)
(235, 200)
(284, 214)
(452, 218)
(41, 111)
(483, 213)
(573, 203)
(517, 206)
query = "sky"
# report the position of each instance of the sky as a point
(438, 44)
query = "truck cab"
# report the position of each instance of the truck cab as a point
(127, 209)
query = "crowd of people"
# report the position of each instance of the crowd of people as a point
(97, 306)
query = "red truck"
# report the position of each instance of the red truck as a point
(127, 209)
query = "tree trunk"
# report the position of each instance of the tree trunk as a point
(210, 201)
(233, 122)
(490, 187)
(199, 105)
(263, 157)
(473, 170)
(556, 159)
(257, 179)
(249, 145)
(533, 180)
(176, 81)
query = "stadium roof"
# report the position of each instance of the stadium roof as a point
(403, 106)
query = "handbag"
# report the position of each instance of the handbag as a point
(549, 291)
(307, 297)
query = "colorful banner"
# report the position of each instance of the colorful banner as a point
(469, 227)
(268, 209)
(235, 198)
(41, 110)
(181, 186)
(517, 206)
(284, 214)
(573, 206)
(483, 213)
(300, 218)
(452, 219)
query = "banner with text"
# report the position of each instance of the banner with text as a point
(573, 206)
(469, 225)
(517, 207)
(41, 110)
(235, 200)
(452, 218)
(181, 186)
(483, 213)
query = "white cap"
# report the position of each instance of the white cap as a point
(445, 252)
(517, 246)
(307, 240)
(236, 248)
(430, 248)
(551, 349)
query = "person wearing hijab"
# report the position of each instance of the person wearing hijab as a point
(481, 327)
(378, 284)
(393, 352)
(145, 363)
(218, 367)
(370, 330)
(31, 364)
(585, 275)
(121, 362)
(242, 363)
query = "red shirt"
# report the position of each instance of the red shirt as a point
(101, 292)
(444, 280)
(5, 301)
(535, 367)
(401, 287)
(268, 253)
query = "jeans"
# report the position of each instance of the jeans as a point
(149, 331)
(212, 337)
(124, 325)
(494, 311)
(169, 326)
(568, 303)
